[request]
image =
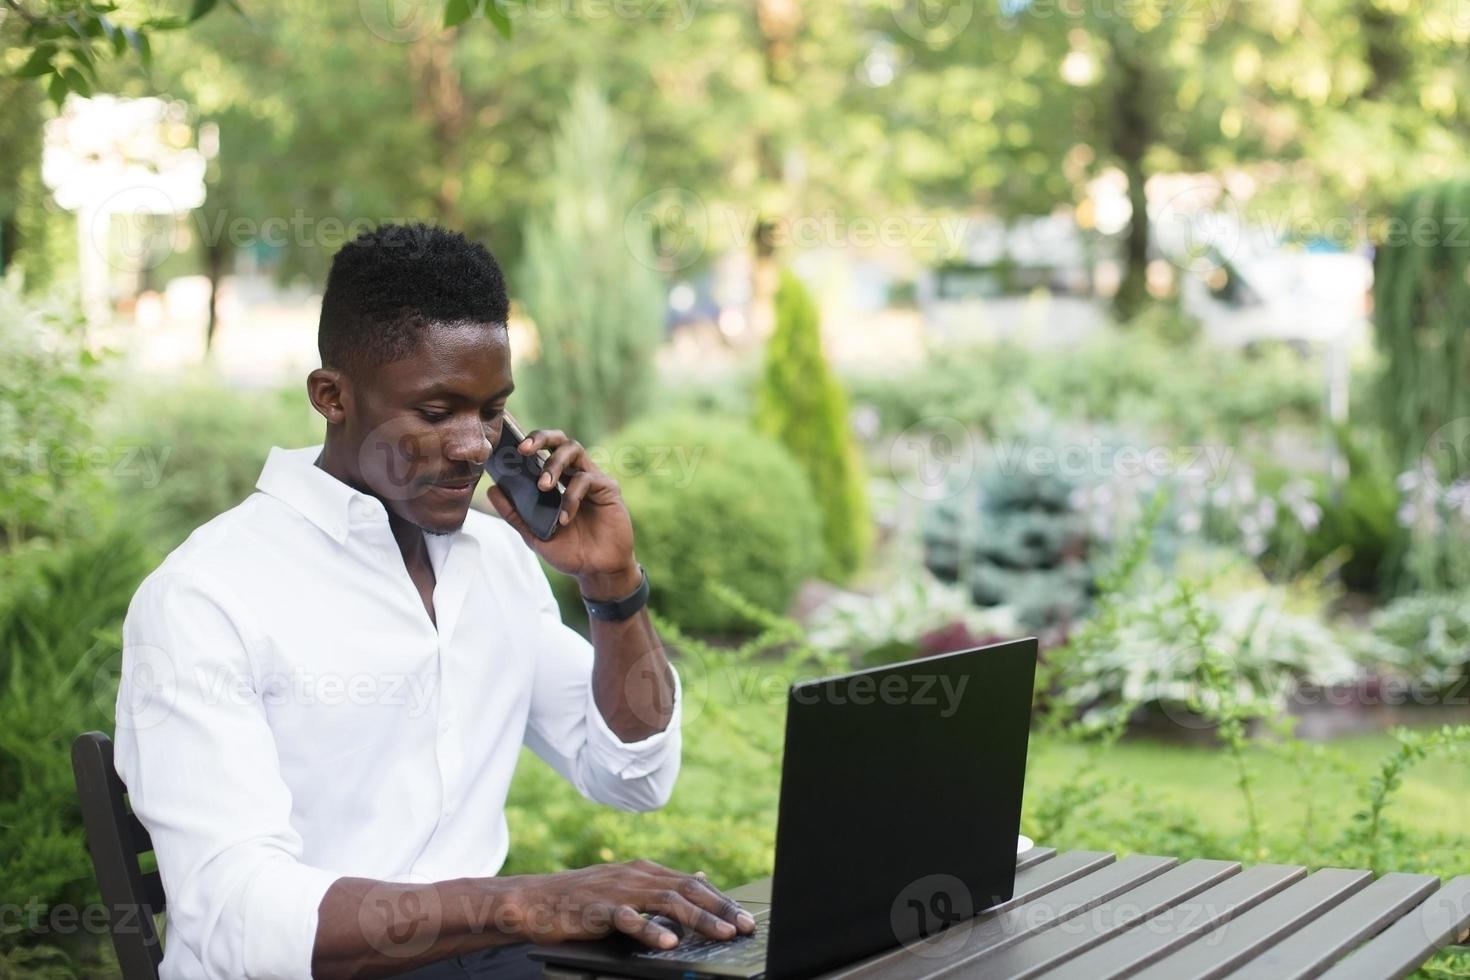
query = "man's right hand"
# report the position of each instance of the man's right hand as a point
(590, 903)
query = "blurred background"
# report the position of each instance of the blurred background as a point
(1139, 325)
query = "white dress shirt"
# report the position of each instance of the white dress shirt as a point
(289, 714)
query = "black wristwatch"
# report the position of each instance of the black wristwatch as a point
(614, 610)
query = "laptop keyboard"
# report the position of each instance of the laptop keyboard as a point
(741, 951)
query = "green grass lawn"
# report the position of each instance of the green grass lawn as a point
(1201, 780)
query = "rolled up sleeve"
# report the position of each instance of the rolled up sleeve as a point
(195, 750)
(566, 728)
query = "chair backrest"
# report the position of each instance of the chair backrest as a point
(115, 839)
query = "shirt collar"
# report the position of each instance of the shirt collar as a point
(292, 477)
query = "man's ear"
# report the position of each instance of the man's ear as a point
(328, 389)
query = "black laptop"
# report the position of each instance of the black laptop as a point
(899, 814)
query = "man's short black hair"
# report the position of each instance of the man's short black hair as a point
(389, 283)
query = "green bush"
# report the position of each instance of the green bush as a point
(208, 444)
(1424, 637)
(54, 480)
(60, 647)
(1015, 539)
(1186, 392)
(713, 501)
(598, 307)
(1361, 517)
(1421, 293)
(801, 405)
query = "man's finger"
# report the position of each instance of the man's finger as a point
(698, 890)
(671, 902)
(627, 920)
(543, 439)
(567, 457)
(571, 501)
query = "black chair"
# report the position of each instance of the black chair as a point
(116, 839)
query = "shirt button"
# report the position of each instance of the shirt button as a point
(362, 510)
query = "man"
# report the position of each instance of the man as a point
(326, 688)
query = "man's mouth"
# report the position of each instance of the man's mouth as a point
(459, 486)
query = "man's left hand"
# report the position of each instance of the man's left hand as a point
(594, 543)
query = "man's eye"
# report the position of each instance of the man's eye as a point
(430, 416)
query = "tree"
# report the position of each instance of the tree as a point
(802, 406)
(1421, 312)
(63, 41)
(598, 306)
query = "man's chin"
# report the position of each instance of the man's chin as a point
(437, 520)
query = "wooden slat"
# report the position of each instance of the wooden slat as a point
(1040, 952)
(1154, 939)
(1013, 922)
(1223, 949)
(1031, 883)
(1034, 856)
(1404, 946)
(1309, 951)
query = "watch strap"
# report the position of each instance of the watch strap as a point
(618, 609)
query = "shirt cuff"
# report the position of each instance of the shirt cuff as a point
(281, 903)
(630, 760)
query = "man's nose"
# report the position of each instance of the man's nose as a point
(469, 442)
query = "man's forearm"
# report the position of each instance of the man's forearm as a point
(631, 678)
(368, 928)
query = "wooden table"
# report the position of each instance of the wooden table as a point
(1085, 915)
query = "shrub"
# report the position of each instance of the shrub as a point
(801, 405)
(713, 501)
(1016, 540)
(1425, 637)
(597, 302)
(917, 616)
(209, 444)
(1181, 393)
(1359, 519)
(49, 384)
(60, 645)
(1421, 295)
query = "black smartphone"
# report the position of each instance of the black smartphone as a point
(518, 476)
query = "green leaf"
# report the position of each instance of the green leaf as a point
(497, 16)
(76, 82)
(39, 63)
(456, 12)
(57, 90)
(200, 8)
(119, 42)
